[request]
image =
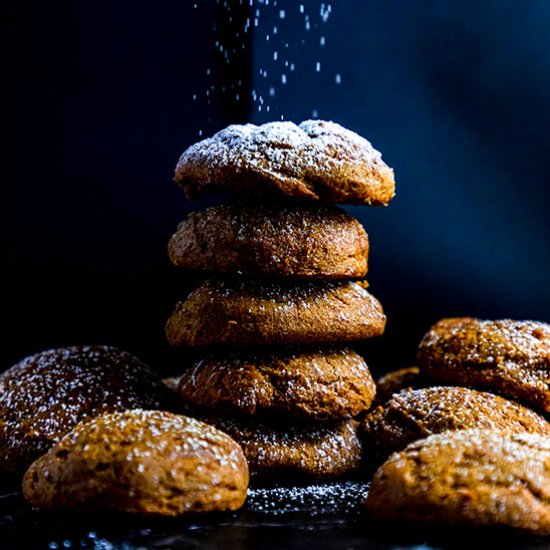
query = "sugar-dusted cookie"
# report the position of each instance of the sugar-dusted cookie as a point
(294, 451)
(46, 395)
(316, 160)
(245, 312)
(470, 478)
(283, 240)
(147, 462)
(511, 358)
(415, 414)
(323, 384)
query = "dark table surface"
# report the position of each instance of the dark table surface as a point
(313, 517)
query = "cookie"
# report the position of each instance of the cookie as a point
(397, 380)
(244, 312)
(322, 384)
(146, 462)
(415, 414)
(316, 160)
(46, 395)
(470, 478)
(272, 239)
(511, 358)
(320, 451)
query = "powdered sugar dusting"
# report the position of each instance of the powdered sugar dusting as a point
(277, 239)
(140, 461)
(316, 500)
(313, 142)
(322, 384)
(46, 395)
(506, 356)
(253, 312)
(413, 414)
(285, 294)
(318, 451)
(293, 159)
(522, 458)
(468, 477)
(139, 434)
(284, 36)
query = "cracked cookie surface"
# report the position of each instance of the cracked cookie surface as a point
(323, 384)
(146, 462)
(316, 160)
(415, 414)
(245, 312)
(511, 358)
(284, 240)
(45, 395)
(476, 478)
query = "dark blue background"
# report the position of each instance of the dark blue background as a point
(455, 94)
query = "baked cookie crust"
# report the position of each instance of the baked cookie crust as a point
(244, 312)
(511, 358)
(315, 160)
(146, 462)
(280, 240)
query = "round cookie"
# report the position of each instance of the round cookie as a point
(272, 239)
(415, 414)
(244, 312)
(511, 358)
(316, 160)
(146, 462)
(471, 478)
(46, 395)
(397, 380)
(297, 451)
(323, 384)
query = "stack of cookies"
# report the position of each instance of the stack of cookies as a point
(275, 323)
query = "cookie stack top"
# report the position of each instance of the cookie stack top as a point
(316, 160)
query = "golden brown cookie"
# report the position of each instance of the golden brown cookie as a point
(244, 312)
(316, 160)
(473, 478)
(46, 395)
(297, 451)
(272, 239)
(511, 358)
(415, 414)
(146, 462)
(323, 384)
(397, 380)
